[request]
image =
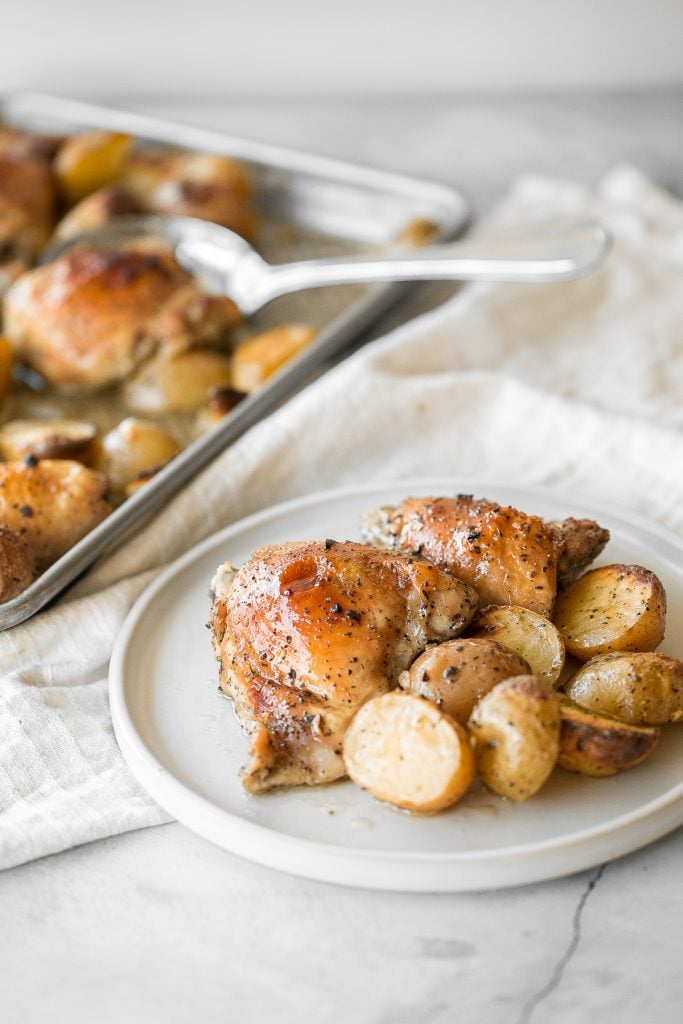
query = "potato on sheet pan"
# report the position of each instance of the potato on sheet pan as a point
(87, 162)
(407, 752)
(613, 608)
(49, 439)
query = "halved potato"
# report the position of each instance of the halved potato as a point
(613, 608)
(49, 439)
(528, 634)
(640, 688)
(600, 745)
(455, 674)
(135, 449)
(407, 752)
(516, 731)
(221, 402)
(261, 356)
(17, 565)
(87, 162)
(178, 383)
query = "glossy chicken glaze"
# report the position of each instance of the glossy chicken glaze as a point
(507, 556)
(307, 632)
(92, 316)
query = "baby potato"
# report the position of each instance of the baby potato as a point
(261, 356)
(455, 674)
(516, 732)
(613, 608)
(17, 565)
(599, 745)
(407, 752)
(87, 162)
(641, 689)
(221, 402)
(528, 634)
(135, 450)
(49, 439)
(178, 383)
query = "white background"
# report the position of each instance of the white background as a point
(147, 48)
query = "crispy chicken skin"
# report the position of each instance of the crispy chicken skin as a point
(51, 503)
(93, 315)
(507, 556)
(579, 542)
(203, 185)
(27, 199)
(306, 632)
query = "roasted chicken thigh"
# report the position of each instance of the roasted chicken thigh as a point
(507, 556)
(90, 318)
(307, 632)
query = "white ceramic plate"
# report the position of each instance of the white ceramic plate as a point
(182, 741)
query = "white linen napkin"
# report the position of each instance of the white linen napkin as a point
(577, 386)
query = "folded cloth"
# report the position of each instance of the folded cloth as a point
(577, 386)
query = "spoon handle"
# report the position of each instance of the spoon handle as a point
(572, 252)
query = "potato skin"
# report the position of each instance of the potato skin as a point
(598, 745)
(644, 688)
(406, 752)
(525, 632)
(612, 608)
(455, 674)
(134, 451)
(49, 439)
(516, 732)
(17, 565)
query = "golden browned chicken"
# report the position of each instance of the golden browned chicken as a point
(27, 200)
(93, 315)
(307, 632)
(20, 145)
(51, 503)
(201, 185)
(507, 556)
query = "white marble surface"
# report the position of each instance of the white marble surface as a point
(160, 926)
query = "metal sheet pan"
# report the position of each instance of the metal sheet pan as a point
(334, 204)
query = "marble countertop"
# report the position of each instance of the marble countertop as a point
(159, 925)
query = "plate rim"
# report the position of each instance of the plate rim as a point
(150, 771)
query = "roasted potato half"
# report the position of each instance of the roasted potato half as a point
(49, 439)
(261, 356)
(640, 688)
(407, 752)
(134, 451)
(613, 608)
(599, 745)
(455, 674)
(179, 383)
(528, 634)
(516, 731)
(17, 565)
(87, 162)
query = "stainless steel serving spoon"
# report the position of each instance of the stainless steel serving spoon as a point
(230, 265)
